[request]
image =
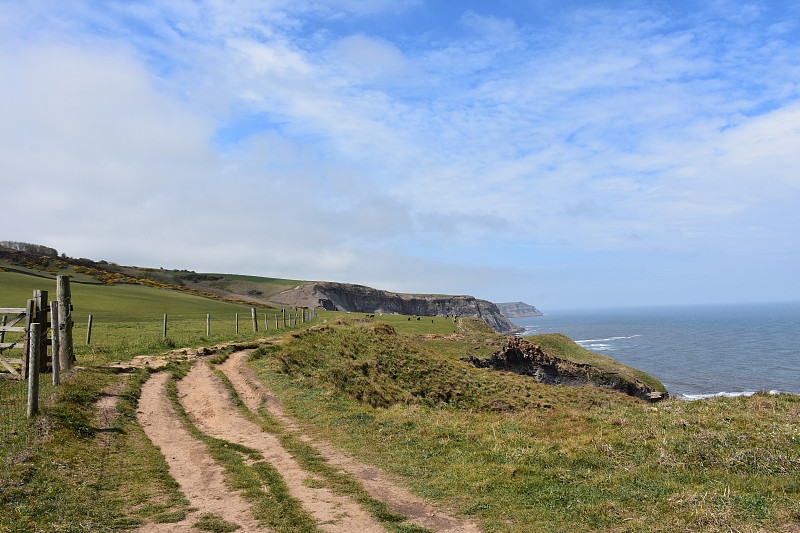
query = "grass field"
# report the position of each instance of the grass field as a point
(128, 319)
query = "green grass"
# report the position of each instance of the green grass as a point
(210, 522)
(583, 460)
(61, 474)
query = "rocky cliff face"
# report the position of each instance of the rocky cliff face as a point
(362, 299)
(518, 310)
(523, 357)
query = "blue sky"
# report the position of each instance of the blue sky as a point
(568, 154)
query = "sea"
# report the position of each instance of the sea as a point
(695, 351)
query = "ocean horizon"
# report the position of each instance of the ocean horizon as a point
(696, 351)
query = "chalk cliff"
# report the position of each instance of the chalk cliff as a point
(361, 299)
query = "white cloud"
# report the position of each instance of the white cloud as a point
(367, 59)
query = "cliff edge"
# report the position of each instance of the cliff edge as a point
(333, 296)
(526, 358)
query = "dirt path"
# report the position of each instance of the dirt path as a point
(211, 409)
(200, 478)
(377, 483)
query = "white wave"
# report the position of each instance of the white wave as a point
(692, 397)
(597, 346)
(608, 339)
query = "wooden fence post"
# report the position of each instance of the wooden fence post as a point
(276, 321)
(237, 322)
(284, 317)
(26, 348)
(255, 319)
(208, 324)
(165, 325)
(33, 368)
(40, 299)
(89, 331)
(266, 322)
(64, 296)
(3, 333)
(54, 347)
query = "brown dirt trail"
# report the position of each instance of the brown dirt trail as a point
(376, 482)
(209, 405)
(200, 478)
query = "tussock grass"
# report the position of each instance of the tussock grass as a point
(593, 461)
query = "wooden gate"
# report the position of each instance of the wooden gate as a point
(15, 341)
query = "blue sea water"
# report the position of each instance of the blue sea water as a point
(696, 351)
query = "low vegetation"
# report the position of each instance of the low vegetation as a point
(521, 456)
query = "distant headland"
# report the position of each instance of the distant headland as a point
(518, 310)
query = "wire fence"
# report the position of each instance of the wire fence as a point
(116, 337)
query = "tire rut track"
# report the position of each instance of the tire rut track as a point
(377, 483)
(211, 409)
(201, 479)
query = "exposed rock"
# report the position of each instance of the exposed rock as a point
(518, 310)
(361, 299)
(523, 357)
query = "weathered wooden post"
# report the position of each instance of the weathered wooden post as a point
(255, 319)
(284, 317)
(2, 332)
(276, 321)
(237, 322)
(208, 324)
(33, 368)
(54, 347)
(40, 301)
(64, 297)
(266, 322)
(165, 325)
(26, 347)
(89, 330)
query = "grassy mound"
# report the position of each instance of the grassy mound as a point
(370, 362)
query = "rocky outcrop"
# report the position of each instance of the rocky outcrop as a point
(518, 310)
(361, 299)
(523, 357)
